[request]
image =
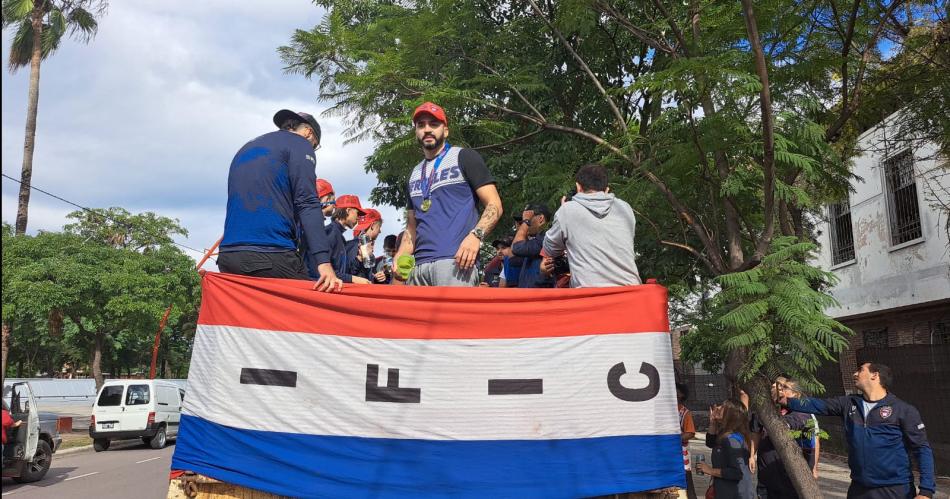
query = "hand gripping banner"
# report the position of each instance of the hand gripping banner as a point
(395, 391)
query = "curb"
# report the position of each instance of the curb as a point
(122, 444)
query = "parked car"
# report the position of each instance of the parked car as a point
(136, 408)
(30, 447)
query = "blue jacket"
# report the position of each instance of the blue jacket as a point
(272, 194)
(878, 446)
(338, 256)
(530, 250)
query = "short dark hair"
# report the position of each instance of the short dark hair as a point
(592, 177)
(339, 213)
(291, 124)
(390, 241)
(684, 389)
(883, 372)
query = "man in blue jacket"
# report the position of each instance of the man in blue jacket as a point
(880, 429)
(271, 193)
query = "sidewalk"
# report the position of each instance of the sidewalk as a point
(834, 477)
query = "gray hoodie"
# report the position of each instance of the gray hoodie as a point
(596, 231)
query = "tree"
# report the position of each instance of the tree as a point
(111, 297)
(727, 126)
(40, 26)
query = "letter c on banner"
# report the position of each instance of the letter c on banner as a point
(633, 394)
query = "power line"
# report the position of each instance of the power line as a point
(90, 210)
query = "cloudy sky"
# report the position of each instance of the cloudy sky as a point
(149, 114)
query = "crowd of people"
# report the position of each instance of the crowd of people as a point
(882, 432)
(282, 221)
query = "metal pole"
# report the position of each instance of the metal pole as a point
(209, 253)
(158, 339)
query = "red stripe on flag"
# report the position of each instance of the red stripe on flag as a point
(406, 312)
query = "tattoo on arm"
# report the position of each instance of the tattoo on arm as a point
(489, 218)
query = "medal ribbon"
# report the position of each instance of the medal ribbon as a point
(427, 180)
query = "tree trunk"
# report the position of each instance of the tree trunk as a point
(760, 400)
(97, 360)
(29, 140)
(6, 350)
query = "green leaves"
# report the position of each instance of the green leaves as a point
(105, 276)
(774, 315)
(78, 18)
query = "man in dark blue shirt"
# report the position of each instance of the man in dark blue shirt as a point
(528, 243)
(271, 192)
(880, 429)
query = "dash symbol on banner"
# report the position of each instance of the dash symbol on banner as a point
(268, 377)
(392, 392)
(533, 386)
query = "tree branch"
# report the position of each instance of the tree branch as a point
(512, 87)
(768, 132)
(676, 30)
(644, 36)
(507, 142)
(621, 122)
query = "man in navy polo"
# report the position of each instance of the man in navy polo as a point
(880, 429)
(272, 198)
(528, 244)
(443, 229)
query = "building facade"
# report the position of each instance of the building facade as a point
(888, 245)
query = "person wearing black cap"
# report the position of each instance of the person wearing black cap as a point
(528, 243)
(272, 204)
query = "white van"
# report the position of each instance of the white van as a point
(136, 408)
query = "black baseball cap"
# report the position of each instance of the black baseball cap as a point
(539, 209)
(285, 115)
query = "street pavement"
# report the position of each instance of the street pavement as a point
(127, 470)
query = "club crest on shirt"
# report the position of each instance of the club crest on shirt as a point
(886, 412)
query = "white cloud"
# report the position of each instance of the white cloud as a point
(150, 113)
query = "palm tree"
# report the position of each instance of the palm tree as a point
(40, 26)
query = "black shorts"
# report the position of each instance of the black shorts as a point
(282, 265)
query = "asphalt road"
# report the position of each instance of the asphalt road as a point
(124, 471)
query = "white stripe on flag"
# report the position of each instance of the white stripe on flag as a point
(331, 371)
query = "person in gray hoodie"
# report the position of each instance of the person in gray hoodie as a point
(596, 231)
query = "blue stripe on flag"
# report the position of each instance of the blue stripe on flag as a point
(331, 466)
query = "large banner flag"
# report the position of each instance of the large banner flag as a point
(395, 391)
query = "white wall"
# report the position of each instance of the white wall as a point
(883, 276)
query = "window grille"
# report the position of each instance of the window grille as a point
(941, 333)
(842, 236)
(902, 198)
(875, 338)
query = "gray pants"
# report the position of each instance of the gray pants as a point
(442, 273)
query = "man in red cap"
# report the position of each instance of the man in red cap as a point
(326, 195)
(272, 205)
(345, 216)
(443, 229)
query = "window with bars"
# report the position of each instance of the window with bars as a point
(842, 236)
(875, 338)
(902, 198)
(940, 333)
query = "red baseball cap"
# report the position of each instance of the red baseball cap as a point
(349, 201)
(372, 216)
(430, 108)
(323, 188)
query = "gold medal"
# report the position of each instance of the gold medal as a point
(426, 204)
